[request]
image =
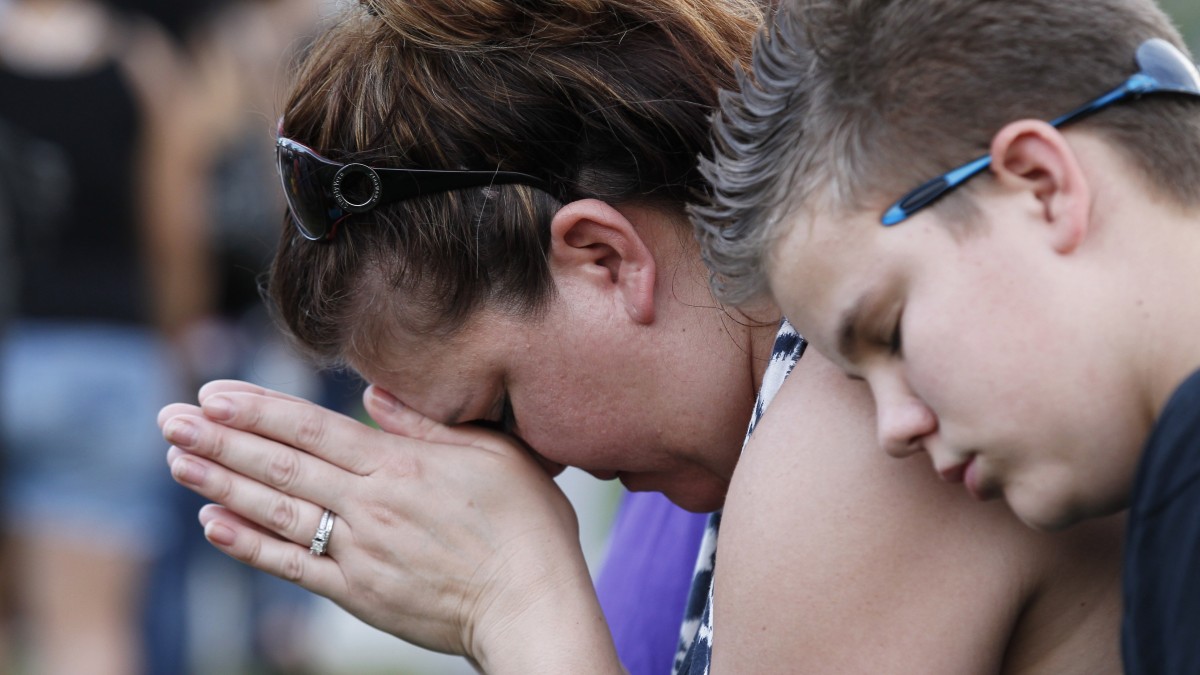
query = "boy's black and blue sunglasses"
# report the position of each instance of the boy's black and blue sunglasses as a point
(1162, 68)
(321, 193)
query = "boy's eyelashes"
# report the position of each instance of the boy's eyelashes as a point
(895, 343)
(883, 335)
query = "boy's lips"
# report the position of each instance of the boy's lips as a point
(968, 473)
(972, 480)
(954, 473)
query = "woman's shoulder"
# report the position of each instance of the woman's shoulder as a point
(860, 562)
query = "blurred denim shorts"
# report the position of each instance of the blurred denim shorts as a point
(82, 450)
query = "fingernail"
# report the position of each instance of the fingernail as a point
(218, 408)
(181, 432)
(219, 534)
(384, 399)
(188, 471)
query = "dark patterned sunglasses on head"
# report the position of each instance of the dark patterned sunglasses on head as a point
(321, 193)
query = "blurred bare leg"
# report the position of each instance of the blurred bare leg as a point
(82, 604)
(7, 665)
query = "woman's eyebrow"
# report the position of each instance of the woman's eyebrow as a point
(456, 415)
(459, 415)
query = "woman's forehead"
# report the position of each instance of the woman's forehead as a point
(450, 380)
(449, 396)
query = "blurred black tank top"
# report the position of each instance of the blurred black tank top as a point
(67, 148)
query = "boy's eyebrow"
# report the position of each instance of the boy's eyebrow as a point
(847, 328)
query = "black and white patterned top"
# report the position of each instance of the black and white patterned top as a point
(695, 636)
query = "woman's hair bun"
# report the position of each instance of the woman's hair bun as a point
(604, 99)
(456, 24)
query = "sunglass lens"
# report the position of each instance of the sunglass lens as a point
(1169, 67)
(305, 185)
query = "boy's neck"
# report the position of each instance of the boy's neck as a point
(1168, 304)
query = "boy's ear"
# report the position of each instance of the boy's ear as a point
(593, 242)
(1032, 155)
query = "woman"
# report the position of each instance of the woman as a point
(557, 297)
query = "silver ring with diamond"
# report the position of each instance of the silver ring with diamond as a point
(320, 540)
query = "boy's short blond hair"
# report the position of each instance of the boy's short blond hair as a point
(852, 103)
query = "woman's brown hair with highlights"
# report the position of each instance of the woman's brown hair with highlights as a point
(605, 99)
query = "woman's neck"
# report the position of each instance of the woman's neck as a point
(762, 325)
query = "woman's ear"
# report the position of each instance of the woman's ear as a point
(1034, 156)
(592, 242)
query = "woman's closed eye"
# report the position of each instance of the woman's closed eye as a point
(508, 419)
(505, 422)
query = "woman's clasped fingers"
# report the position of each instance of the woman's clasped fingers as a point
(317, 431)
(293, 519)
(227, 386)
(423, 537)
(249, 543)
(224, 452)
(175, 409)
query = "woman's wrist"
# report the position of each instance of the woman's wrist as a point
(552, 626)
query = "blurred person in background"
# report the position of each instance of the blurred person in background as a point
(111, 275)
(8, 268)
(208, 613)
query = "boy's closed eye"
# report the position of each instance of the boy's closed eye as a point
(895, 342)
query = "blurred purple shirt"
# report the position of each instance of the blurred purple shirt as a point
(644, 582)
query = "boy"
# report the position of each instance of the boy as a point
(1031, 318)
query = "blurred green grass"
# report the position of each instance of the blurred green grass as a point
(1187, 16)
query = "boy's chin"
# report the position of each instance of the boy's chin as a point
(1050, 514)
(1049, 523)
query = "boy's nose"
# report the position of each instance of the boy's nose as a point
(904, 422)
